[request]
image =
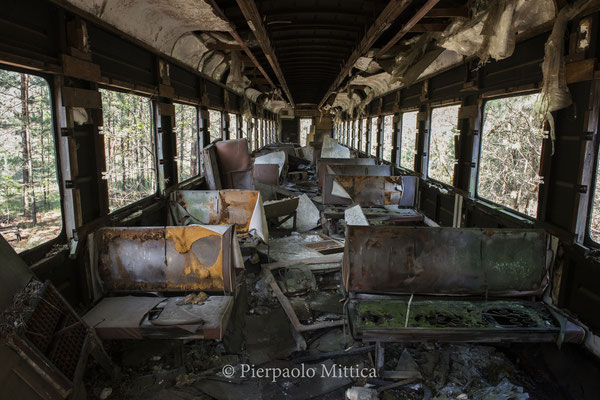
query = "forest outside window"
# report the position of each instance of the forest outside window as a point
(305, 124)
(374, 129)
(363, 135)
(214, 127)
(355, 137)
(233, 126)
(388, 133)
(187, 141)
(441, 143)
(511, 146)
(408, 141)
(30, 212)
(128, 147)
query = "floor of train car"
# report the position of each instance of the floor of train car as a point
(260, 334)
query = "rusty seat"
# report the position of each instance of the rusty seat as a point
(450, 285)
(171, 282)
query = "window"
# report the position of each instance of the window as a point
(374, 127)
(187, 141)
(128, 147)
(595, 212)
(305, 124)
(259, 131)
(363, 135)
(388, 133)
(214, 126)
(253, 135)
(441, 143)
(408, 142)
(355, 136)
(232, 126)
(30, 211)
(511, 145)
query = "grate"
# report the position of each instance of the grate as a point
(54, 329)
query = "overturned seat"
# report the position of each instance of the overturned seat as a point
(450, 285)
(242, 208)
(172, 282)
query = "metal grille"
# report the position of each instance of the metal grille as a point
(56, 331)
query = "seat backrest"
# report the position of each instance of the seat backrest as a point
(424, 260)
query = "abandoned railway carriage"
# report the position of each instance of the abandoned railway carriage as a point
(299, 199)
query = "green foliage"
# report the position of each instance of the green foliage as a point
(408, 140)
(441, 143)
(511, 146)
(129, 148)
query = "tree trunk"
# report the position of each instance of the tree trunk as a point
(28, 195)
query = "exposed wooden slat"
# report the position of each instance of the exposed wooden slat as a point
(408, 26)
(389, 14)
(223, 46)
(255, 22)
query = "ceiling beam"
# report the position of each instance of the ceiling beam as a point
(389, 14)
(254, 20)
(223, 46)
(422, 12)
(242, 44)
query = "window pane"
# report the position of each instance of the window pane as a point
(128, 147)
(30, 198)
(259, 132)
(232, 126)
(388, 132)
(409, 140)
(355, 145)
(511, 146)
(363, 136)
(441, 143)
(373, 150)
(253, 135)
(305, 124)
(187, 141)
(214, 128)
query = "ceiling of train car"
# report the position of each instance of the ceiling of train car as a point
(314, 41)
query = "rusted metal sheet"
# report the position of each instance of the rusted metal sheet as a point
(353, 170)
(166, 259)
(363, 190)
(281, 208)
(495, 262)
(242, 208)
(324, 162)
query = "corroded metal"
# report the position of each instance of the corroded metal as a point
(242, 208)
(166, 259)
(444, 260)
(324, 162)
(363, 190)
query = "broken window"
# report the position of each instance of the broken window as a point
(374, 130)
(305, 124)
(408, 142)
(129, 147)
(187, 141)
(214, 127)
(259, 131)
(511, 145)
(441, 143)
(388, 133)
(355, 136)
(233, 125)
(245, 133)
(30, 212)
(363, 135)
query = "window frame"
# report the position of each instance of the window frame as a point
(155, 138)
(402, 112)
(486, 202)
(198, 144)
(43, 248)
(430, 135)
